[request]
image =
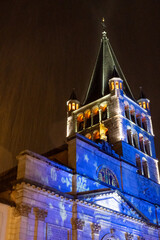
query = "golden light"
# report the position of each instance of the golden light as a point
(87, 114)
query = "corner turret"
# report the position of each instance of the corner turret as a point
(143, 101)
(72, 105)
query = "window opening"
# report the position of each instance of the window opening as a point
(87, 118)
(117, 85)
(73, 106)
(126, 108)
(147, 147)
(145, 168)
(129, 136)
(138, 164)
(135, 140)
(95, 115)
(105, 175)
(141, 144)
(77, 106)
(96, 136)
(104, 111)
(88, 135)
(133, 116)
(80, 122)
(69, 107)
(120, 85)
(144, 105)
(138, 117)
(144, 123)
(112, 85)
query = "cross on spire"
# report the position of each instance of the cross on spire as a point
(103, 24)
(103, 28)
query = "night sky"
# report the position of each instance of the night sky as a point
(48, 47)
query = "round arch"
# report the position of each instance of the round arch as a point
(107, 176)
(110, 236)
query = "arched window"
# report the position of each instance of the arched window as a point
(144, 105)
(129, 136)
(87, 115)
(96, 136)
(138, 118)
(112, 85)
(80, 122)
(147, 147)
(88, 135)
(138, 164)
(95, 112)
(105, 175)
(69, 107)
(135, 140)
(126, 108)
(144, 123)
(117, 85)
(103, 108)
(141, 144)
(132, 114)
(145, 167)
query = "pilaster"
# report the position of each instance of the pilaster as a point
(95, 229)
(39, 230)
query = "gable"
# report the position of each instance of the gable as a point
(112, 200)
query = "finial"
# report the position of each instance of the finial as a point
(73, 95)
(142, 95)
(103, 27)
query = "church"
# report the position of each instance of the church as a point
(103, 183)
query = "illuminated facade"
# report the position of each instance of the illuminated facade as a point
(102, 184)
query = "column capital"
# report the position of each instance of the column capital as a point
(40, 213)
(78, 223)
(95, 228)
(22, 210)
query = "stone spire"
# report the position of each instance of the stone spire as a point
(105, 68)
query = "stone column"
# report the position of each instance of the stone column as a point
(95, 228)
(39, 228)
(21, 221)
(77, 228)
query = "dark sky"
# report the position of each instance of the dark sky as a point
(47, 47)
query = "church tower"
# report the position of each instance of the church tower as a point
(111, 115)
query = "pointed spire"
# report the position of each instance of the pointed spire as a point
(106, 65)
(73, 95)
(142, 95)
(115, 74)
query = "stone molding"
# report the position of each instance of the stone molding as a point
(22, 210)
(40, 213)
(95, 228)
(78, 223)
